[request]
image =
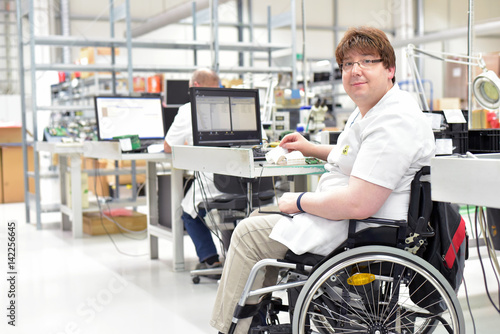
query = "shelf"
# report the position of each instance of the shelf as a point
(94, 207)
(106, 171)
(153, 68)
(45, 175)
(63, 41)
(65, 108)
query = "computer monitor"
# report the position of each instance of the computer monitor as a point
(225, 117)
(169, 114)
(125, 115)
(176, 91)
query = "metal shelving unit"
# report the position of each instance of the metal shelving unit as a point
(122, 12)
(8, 41)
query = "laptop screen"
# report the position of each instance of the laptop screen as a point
(225, 117)
(125, 115)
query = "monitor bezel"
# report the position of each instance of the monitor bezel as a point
(223, 140)
(97, 97)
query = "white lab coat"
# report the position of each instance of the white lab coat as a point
(385, 147)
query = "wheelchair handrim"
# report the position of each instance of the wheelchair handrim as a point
(377, 253)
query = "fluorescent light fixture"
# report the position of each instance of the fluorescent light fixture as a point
(321, 63)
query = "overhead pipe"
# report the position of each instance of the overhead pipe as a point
(65, 30)
(173, 15)
(479, 29)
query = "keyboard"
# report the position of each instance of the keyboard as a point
(148, 142)
(145, 143)
(259, 153)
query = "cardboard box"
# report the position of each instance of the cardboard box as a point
(12, 174)
(92, 55)
(11, 134)
(447, 103)
(479, 119)
(1, 179)
(93, 223)
(99, 55)
(155, 83)
(492, 62)
(139, 84)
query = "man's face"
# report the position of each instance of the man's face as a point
(367, 83)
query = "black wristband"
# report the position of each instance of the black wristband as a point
(298, 202)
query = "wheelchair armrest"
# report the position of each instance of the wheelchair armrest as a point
(380, 221)
(400, 224)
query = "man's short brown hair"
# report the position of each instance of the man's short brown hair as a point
(367, 40)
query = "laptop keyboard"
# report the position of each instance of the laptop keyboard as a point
(259, 153)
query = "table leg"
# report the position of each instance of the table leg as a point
(76, 193)
(152, 202)
(176, 192)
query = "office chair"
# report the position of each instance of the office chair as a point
(372, 283)
(240, 196)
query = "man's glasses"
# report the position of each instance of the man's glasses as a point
(363, 64)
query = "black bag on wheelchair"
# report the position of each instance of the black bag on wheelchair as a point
(446, 251)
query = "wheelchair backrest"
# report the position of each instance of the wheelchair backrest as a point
(420, 207)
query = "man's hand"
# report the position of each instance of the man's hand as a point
(288, 203)
(296, 142)
(166, 147)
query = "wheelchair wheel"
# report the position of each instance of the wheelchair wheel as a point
(367, 290)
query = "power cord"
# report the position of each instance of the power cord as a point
(211, 224)
(97, 176)
(478, 216)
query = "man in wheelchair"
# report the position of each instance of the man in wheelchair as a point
(385, 142)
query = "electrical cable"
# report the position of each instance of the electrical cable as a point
(491, 248)
(276, 196)
(212, 227)
(460, 269)
(468, 305)
(481, 261)
(96, 177)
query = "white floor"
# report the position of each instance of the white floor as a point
(68, 285)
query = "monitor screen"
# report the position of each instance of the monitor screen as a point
(125, 115)
(176, 91)
(169, 114)
(225, 117)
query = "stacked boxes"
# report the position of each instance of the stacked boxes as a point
(96, 224)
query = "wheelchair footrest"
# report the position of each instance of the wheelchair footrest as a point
(274, 329)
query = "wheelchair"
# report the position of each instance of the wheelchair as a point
(370, 284)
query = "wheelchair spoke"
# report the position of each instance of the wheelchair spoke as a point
(340, 314)
(373, 293)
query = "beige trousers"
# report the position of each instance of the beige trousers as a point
(250, 243)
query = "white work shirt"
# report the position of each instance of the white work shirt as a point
(385, 147)
(181, 133)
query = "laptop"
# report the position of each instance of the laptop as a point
(226, 117)
(130, 115)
